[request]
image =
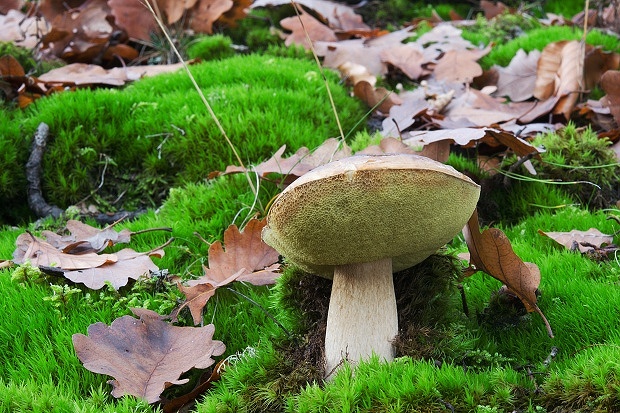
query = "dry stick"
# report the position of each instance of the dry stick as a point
(202, 96)
(36, 202)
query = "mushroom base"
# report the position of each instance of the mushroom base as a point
(362, 319)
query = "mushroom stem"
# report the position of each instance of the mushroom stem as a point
(362, 317)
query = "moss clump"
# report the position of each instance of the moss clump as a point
(581, 157)
(136, 143)
(211, 48)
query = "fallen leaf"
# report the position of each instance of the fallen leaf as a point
(84, 238)
(459, 65)
(610, 83)
(491, 252)
(365, 52)
(246, 258)
(296, 165)
(41, 253)
(339, 16)
(207, 12)
(305, 26)
(378, 98)
(20, 29)
(492, 9)
(518, 79)
(129, 265)
(584, 241)
(145, 355)
(408, 57)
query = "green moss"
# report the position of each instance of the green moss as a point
(579, 156)
(538, 38)
(211, 47)
(140, 141)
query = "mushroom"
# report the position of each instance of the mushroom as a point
(359, 219)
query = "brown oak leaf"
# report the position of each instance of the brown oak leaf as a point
(583, 241)
(145, 355)
(129, 264)
(491, 252)
(246, 258)
(84, 238)
(296, 165)
(41, 253)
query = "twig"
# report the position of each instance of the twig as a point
(36, 202)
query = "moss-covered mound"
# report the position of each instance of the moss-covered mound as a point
(128, 147)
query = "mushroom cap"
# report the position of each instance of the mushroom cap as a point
(369, 207)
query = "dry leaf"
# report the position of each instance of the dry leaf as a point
(492, 253)
(296, 165)
(378, 98)
(246, 258)
(84, 238)
(307, 27)
(518, 79)
(339, 16)
(584, 241)
(610, 82)
(145, 355)
(129, 264)
(41, 253)
(460, 65)
(408, 57)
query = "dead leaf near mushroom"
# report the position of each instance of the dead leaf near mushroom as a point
(145, 355)
(246, 259)
(491, 252)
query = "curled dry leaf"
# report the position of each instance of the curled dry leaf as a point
(518, 79)
(610, 82)
(491, 252)
(378, 98)
(84, 238)
(297, 164)
(304, 26)
(41, 253)
(129, 264)
(584, 241)
(145, 355)
(246, 258)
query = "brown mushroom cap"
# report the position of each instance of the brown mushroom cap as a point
(366, 208)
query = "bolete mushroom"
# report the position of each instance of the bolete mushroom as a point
(357, 220)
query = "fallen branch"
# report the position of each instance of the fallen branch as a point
(36, 202)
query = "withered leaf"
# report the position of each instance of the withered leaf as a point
(145, 355)
(339, 16)
(583, 241)
(207, 12)
(304, 26)
(246, 258)
(492, 253)
(129, 264)
(376, 97)
(408, 57)
(518, 79)
(610, 82)
(84, 238)
(296, 165)
(460, 65)
(41, 253)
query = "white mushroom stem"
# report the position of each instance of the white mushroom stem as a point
(362, 317)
